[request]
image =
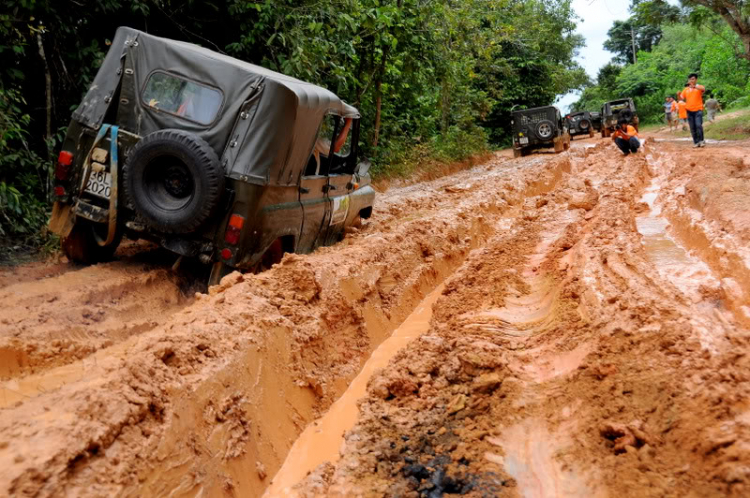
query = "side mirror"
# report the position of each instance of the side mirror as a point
(362, 168)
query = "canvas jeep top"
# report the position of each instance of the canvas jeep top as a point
(207, 155)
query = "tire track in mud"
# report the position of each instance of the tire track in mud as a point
(551, 367)
(211, 399)
(70, 315)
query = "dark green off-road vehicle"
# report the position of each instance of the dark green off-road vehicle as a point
(208, 156)
(614, 110)
(539, 128)
(580, 123)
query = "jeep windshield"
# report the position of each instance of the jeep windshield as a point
(618, 106)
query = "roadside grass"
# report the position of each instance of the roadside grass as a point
(731, 128)
(405, 160)
(651, 127)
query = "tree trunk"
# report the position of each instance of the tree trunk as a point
(379, 98)
(445, 105)
(48, 123)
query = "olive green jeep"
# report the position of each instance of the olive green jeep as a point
(208, 156)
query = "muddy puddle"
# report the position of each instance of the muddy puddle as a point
(320, 442)
(668, 256)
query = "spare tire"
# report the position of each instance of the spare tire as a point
(584, 124)
(174, 180)
(625, 114)
(545, 129)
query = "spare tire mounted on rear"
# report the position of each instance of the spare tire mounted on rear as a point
(174, 180)
(545, 129)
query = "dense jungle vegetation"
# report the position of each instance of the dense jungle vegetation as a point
(672, 42)
(433, 79)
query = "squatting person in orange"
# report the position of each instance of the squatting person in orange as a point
(693, 96)
(626, 137)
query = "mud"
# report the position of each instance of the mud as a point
(597, 347)
(588, 337)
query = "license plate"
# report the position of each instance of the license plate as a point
(100, 184)
(523, 140)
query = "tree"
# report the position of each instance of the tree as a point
(736, 13)
(623, 36)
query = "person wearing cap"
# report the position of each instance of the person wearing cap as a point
(626, 137)
(693, 96)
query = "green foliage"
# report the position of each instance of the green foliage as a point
(624, 34)
(663, 72)
(23, 174)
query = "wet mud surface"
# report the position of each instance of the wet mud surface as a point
(569, 325)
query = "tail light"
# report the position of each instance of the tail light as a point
(64, 160)
(59, 191)
(234, 228)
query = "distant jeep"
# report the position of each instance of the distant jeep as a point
(613, 111)
(539, 128)
(208, 156)
(580, 123)
(596, 121)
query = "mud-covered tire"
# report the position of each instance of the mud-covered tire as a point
(592, 133)
(174, 180)
(517, 152)
(81, 243)
(544, 129)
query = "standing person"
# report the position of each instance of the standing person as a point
(693, 95)
(682, 113)
(626, 137)
(673, 114)
(712, 106)
(668, 110)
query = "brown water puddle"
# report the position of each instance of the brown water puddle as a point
(689, 274)
(321, 440)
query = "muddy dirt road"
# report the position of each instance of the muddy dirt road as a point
(555, 325)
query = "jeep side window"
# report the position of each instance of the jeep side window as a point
(181, 97)
(320, 160)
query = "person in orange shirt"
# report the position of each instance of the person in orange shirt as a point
(673, 112)
(693, 96)
(626, 137)
(682, 113)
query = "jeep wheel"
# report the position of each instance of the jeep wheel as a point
(174, 180)
(517, 152)
(545, 129)
(82, 243)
